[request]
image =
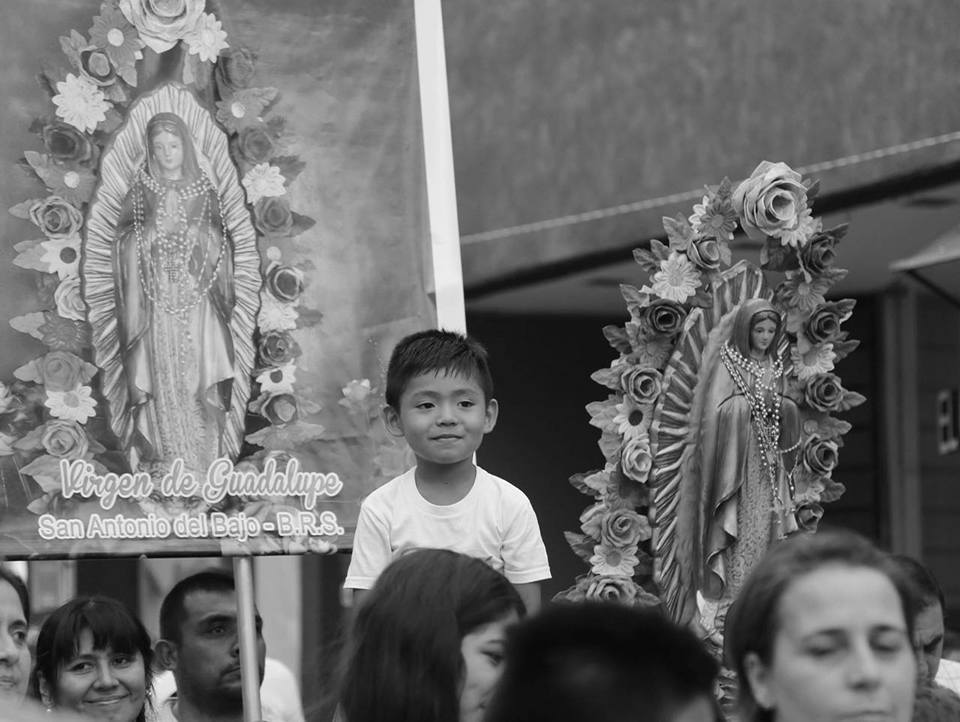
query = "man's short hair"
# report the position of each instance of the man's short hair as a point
(437, 351)
(925, 585)
(173, 612)
(601, 662)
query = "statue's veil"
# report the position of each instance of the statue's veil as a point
(118, 167)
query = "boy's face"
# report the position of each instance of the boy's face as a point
(443, 417)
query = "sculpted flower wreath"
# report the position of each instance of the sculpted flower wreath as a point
(53, 410)
(772, 206)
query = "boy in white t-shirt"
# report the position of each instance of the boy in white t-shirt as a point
(440, 399)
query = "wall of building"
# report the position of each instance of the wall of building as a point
(938, 368)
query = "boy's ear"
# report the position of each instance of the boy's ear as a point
(391, 419)
(166, 654)
(46, 696)
(493, 410)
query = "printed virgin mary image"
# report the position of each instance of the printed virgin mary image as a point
(751, 434)
(171, 276)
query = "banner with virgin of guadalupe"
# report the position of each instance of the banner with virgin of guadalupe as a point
(216, 234)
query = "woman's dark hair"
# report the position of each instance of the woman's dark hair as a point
(19, 586)
(753, 621)
(403, 660)
(112, 625)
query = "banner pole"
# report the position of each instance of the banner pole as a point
(247, 629)
(438, 166)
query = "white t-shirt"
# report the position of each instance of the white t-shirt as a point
(494, 522)
(948, 675)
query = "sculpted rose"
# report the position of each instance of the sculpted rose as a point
(285, 282)
(824, 392)
(56, 218)
(643, 385)
(161, 23)
(823, 325)
(280, 409)
(69, 301)
(770, 201)
(62, 371)
(808, 516)
(591, 519)
(272, 216)
(662, 317)
(705, 253)
(612, 589)
(623, 528)
(820, 456)
(235, 68)
(255, 144)
(64, 439)
(277, 348)
(636, 460)
(820, 253)
(67, 144)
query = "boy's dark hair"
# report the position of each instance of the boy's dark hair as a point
(601, 662)
(437, 351)
(172, 612)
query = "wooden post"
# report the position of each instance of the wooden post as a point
(247, 629)
(438, 166)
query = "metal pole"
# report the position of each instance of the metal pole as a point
(247, 629)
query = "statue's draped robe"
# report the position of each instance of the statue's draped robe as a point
(738, 519)
(179, 369)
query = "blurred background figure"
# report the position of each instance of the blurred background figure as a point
(14, 652)
(929, 632)
(94, 657)
(823, 630)
(936, 704)
(427, 641)
(604, 663)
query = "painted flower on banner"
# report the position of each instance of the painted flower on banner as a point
(62, 255)
(263, 180)
(75, 405)
(278, 380)
(80, 103)
(69, 301)
(275, 315)
(356, 393)
(113, 33)
(56, 217)
(161, 23)
(65, 440)
(207, 38)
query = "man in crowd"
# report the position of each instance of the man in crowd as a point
(929, 626)
(200, 644)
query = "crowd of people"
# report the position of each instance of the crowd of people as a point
(448, 625)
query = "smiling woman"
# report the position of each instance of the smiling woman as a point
(94, 657)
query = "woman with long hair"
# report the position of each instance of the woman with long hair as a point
(94, 657)
(427, 641)
(822, 630)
